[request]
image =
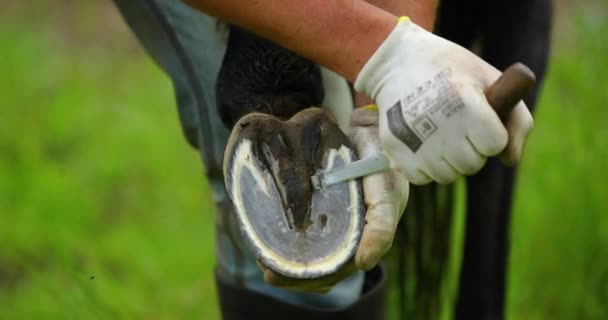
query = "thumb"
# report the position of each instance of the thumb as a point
(385, 196)
(385, 193)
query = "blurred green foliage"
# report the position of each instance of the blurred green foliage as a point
(104, 210)
(559, 260)
(105, 213)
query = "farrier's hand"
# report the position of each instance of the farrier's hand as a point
(385, 193)
(435, 122)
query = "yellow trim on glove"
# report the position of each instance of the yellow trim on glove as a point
(402, 20)
(370, 107)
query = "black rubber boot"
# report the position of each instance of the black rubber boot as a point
(238, 303)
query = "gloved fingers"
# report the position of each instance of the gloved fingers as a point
(464, 158)
(441, 171)
(416, 176)
(484, 129)
(413, 173)
(519, 125)
(377, 235)
(364, 122)
(408, 166)
(386, 195)
(318, 285)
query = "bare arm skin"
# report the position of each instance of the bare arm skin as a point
(422, 12)
(338, 34)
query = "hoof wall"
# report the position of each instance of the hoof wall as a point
(290, 226)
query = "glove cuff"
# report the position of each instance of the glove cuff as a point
(389, 55)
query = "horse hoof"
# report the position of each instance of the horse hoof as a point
(291, 227)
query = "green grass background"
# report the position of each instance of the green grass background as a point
(105, 212)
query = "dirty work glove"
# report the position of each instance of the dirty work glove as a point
(385, 193)
(435, 122)
(385, 196)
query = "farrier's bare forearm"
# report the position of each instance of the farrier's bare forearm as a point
(339, 34)
(420, 11)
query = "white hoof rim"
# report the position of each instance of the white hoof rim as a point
(290, 226)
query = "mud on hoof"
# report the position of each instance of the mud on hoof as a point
(291, 227)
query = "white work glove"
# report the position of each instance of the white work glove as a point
(385, 196)
(435, 122)
(385, 193)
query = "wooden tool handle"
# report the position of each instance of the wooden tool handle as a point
(512, 86)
